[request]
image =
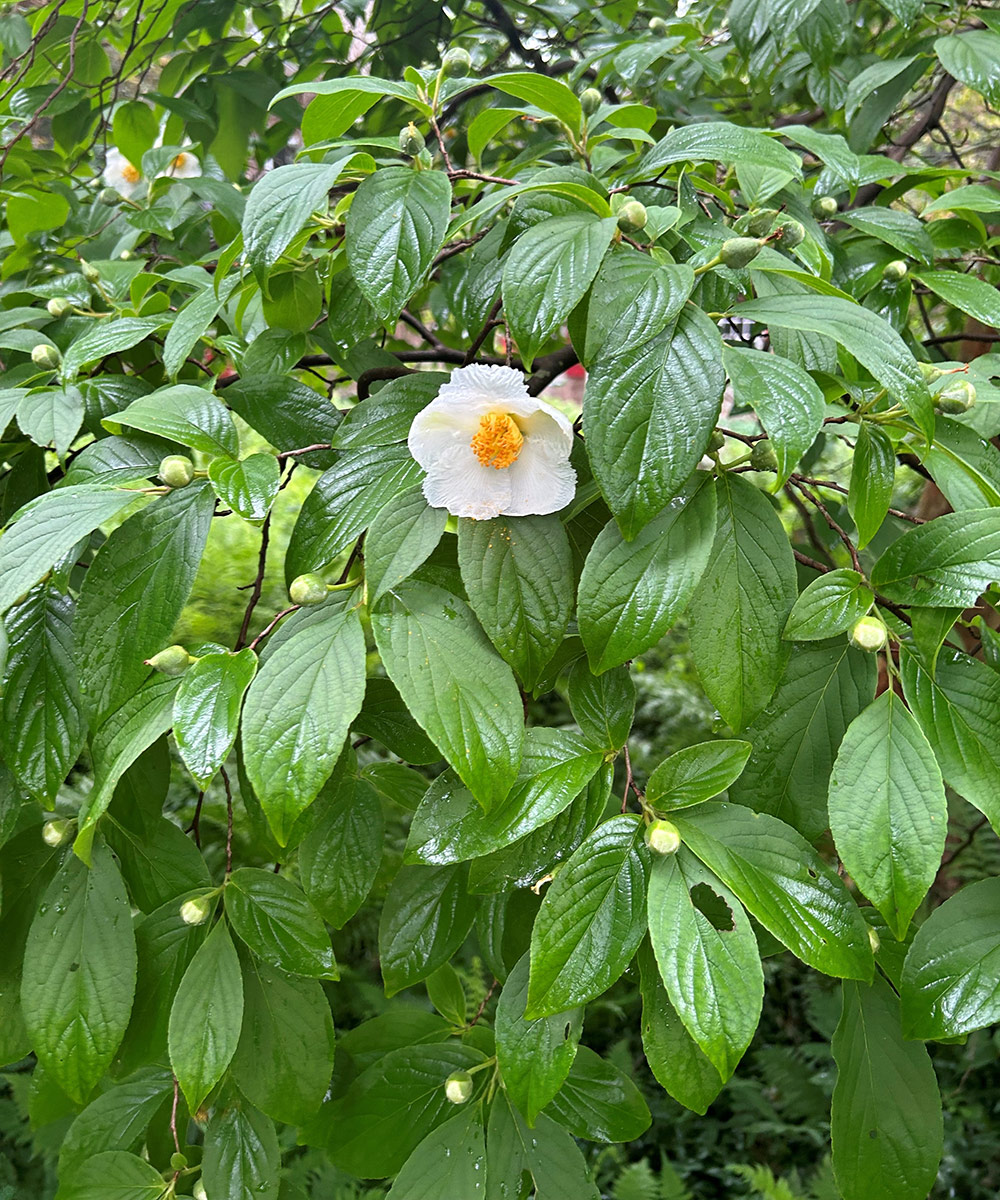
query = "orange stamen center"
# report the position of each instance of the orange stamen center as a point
(179, 161)
(130, 174)
(498, 440)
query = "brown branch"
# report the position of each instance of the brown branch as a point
(258, 583)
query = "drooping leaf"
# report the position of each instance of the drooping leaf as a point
(449, 1161)
(696, 773)
(829, 605)
(873, 474)
(943, 564)
(207, 710)
(599, 1102)
(242, 1156)
(340, 856)
(249, 487)
(273, 917)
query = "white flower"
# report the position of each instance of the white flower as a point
(489, 448)
(121, 175)
(182, 166)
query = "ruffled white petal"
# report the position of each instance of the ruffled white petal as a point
(114, 175)
(484, 388)
(540, 483)
(436, 430)
(459, 482)
(186, 168)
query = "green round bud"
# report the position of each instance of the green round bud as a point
(411, 140)
(792, 233)
(874, 940)
(58, 306)
(663, 837)
(739, 252)
(178, 1161)
(56, 831)
(458, 1087)
(108, 197)
(894, 271)
(196, 911)
(176, 470)
(759, 223)
(308, 589)
(762, 456)
(47, 357)
(632, 217)
(198, 1191)
(957, 397)
(126, 255)
(658, 26)
(91, 274)
(456, 62)
(175, 660)
(869, 634)
(824, 207)
(715, 442)
(590, 101)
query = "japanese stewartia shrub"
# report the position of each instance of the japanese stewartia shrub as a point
(275, 274)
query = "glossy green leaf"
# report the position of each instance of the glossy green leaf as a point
(742, 603)
(943, 564)
(79, 972)
(426, 917)
(970, 295)
(192, 322)
(183, 413)
(340, 856)
(827, 606)
(873, 475)
(971, 197)
(446, 992)
(106, 337)
(242, 1157)
(402, 535)
(631, 592)
(901, 230)
(116, 1120)
(696, 773)
(544, 92)
(888, 812)
(719, 141)
(452, 681)
(448, 1162)
(51, 418)
(207, 710)
(134, 129)
(158, 861)
(546, 1150)
(248, 487)
(599, 1102)
(964, 466)
(386, 718)
(114, 1175)
(602, 705)
(974, 58)
(288, 414)
(272, 916)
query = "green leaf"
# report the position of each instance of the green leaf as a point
(446, 993)
(207, 710)
(135, 129)
(183, 413)
(299, 708)
(340, 856)
(946, 563)
(864, 335)
(353, 83)
(51, 418)
(971, 197)
(973, 296)
(344, 502)
(591, 921)
(632, 592)
(558, 1168)
(829, 605)
(963, 465)
(449, 826)
(781, 880)
(718, 141)
(275, 919)
(395, 226)
(886, 1114)
(873, 475)
(294, 301)
(115, 1120)
(426, 917)
(278, 207)
(647, 416)
(386, 416)
(106, 337)
(242, 1157)
(550, 95)
(901, 230)
(742, 603)
(401, 537)
(249, 487)
(386, 718)
(43, 727)
(448, 1162)
(460, 692)
(47, 529)
(598, 1102)
(158, 862)
(950, 977)
(287, 413)
(888, 812)
(114, 1175)
(547, 273)
(787, 400)
(206, 1016)
(134, 591)
(602, 705)
(191, 323)
(392, 1106)
(974, 58)
(708, 957)
(696, 773)
(958, 708)
(677, 1062)
(79, 973)
(535, 1056)
(518, 574)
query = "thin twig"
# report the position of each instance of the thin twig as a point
(229, 822)
(195, 826)
(491, 323)
(173, 1116)
(258, 583)
(485, 1001)
(268, 628)
(841, 533)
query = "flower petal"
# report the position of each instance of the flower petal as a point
(437, 429)
(540, 482)
(457, 481)
(549, 428)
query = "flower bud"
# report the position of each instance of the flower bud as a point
(762, 456)
(47, 357)
(58, 306)
(758, 223)
(739, 252)
(894, 271)
(824, 207)
(663, 837)
(456, 62)
(631, 216)
(108, 197)
(658, 26)
(176, 470)
(56, 831)
(957, 397)
(869, 634)
(874, 940)
(175, 660)
(715, 442)
(411, 140)
(178, 1161)
(308, 589)
(91, 274)
(792, 233)
(458, 1087)
(196, 911)
(590, 101)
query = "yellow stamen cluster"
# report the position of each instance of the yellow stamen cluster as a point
(179, 161)
(498, 440)
(130, 174)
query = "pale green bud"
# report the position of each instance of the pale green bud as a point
(58, 306)
(196, 911)
(47, 357)
(175, 660)
(458, 1087)
(824, 207)
(895, 271)
(957, 397)
(792, 233)
(308, 589)
(739, 252)
(762, 456)
(874, 940)
(456, 62)
(590, 101)
(663, 837)
(56, 831)
(176, 470)
(632, 217)
(411, 140)
(91, 274)
(869, 634)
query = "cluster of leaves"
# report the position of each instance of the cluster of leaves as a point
(609, 209)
